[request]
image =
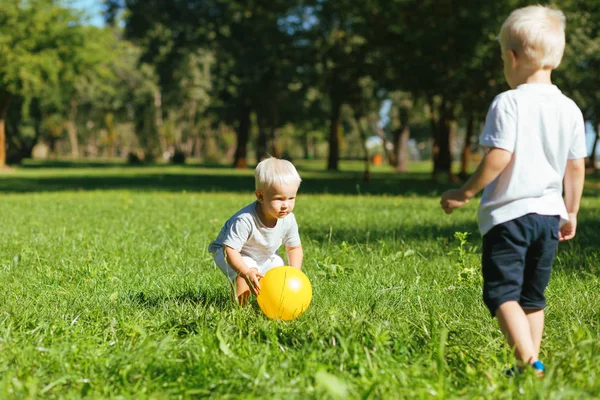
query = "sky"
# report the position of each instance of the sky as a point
(91, 8)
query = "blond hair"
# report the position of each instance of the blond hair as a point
(274, 171)
(538, 32)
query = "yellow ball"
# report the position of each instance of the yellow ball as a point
(285, 293)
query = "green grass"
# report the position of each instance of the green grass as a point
(107, 291)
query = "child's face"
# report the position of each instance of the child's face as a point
(277, 201)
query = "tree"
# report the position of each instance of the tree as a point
(248, 44)
(88, 77)
(342, 59)
(439, 52)
(578, 73)
(401, 116)
(37, 37)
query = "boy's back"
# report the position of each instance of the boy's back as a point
(536, 143)
(543, 129)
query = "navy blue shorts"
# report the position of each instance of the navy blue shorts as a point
(517, 261)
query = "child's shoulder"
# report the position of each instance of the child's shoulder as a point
(508, 101)
(570, 104)
(290, 218)
(245, 213)
(505, 102)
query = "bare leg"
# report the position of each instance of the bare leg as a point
(536, 327)
(241, 291)
(515, 326)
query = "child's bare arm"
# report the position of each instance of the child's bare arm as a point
(294, 256)
(573, 184)
(251, 275)
(573, 188)
(490, 167)
(234, 259)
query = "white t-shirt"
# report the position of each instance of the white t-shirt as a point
(246, 233)
(543, 129)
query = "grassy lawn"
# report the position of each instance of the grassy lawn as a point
(108, 291)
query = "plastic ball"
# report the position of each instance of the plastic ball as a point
(285, 293)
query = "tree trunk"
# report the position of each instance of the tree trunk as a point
(4, 98)
(204, 133)
(261, 141)
(72, 130)
(466, 153)
(243, 133)
(275, 149)
(158, 121)
(21, 148)
(197, 147)
(309, 147)
(433, 119)
(111, 134)
(192, 131)
(334, 137)
(391, 154)
(363, 139)
(401, 147)
(442, 160)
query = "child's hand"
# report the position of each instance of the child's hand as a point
(452, 199)
(567, 231)
(252, 277)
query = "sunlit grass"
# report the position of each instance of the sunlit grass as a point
(109, 291)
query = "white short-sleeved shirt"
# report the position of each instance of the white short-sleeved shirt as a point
(246, 233)
(543, 129)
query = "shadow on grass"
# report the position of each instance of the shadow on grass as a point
(208, 297)
(57, 164)
(69, 176)
(226, 180)
(580, 255)
(70, 165)
(401, 233)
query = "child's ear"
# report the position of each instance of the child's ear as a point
(259, 195)
(514, 58)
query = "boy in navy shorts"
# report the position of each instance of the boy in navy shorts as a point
(535, 139)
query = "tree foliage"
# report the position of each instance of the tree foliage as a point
(180, 70)
(38, 40)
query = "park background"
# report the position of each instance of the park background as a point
(128, 134)
(228, 82)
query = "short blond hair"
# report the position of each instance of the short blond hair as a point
(274, 171)
(538, 32)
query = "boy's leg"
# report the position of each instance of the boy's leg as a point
(515, 325)
(538, 268)
(241, 291)
(221, 262)
(503, 263)
(536, 327)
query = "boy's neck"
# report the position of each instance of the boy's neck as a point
(263, 217)
(541, 76)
